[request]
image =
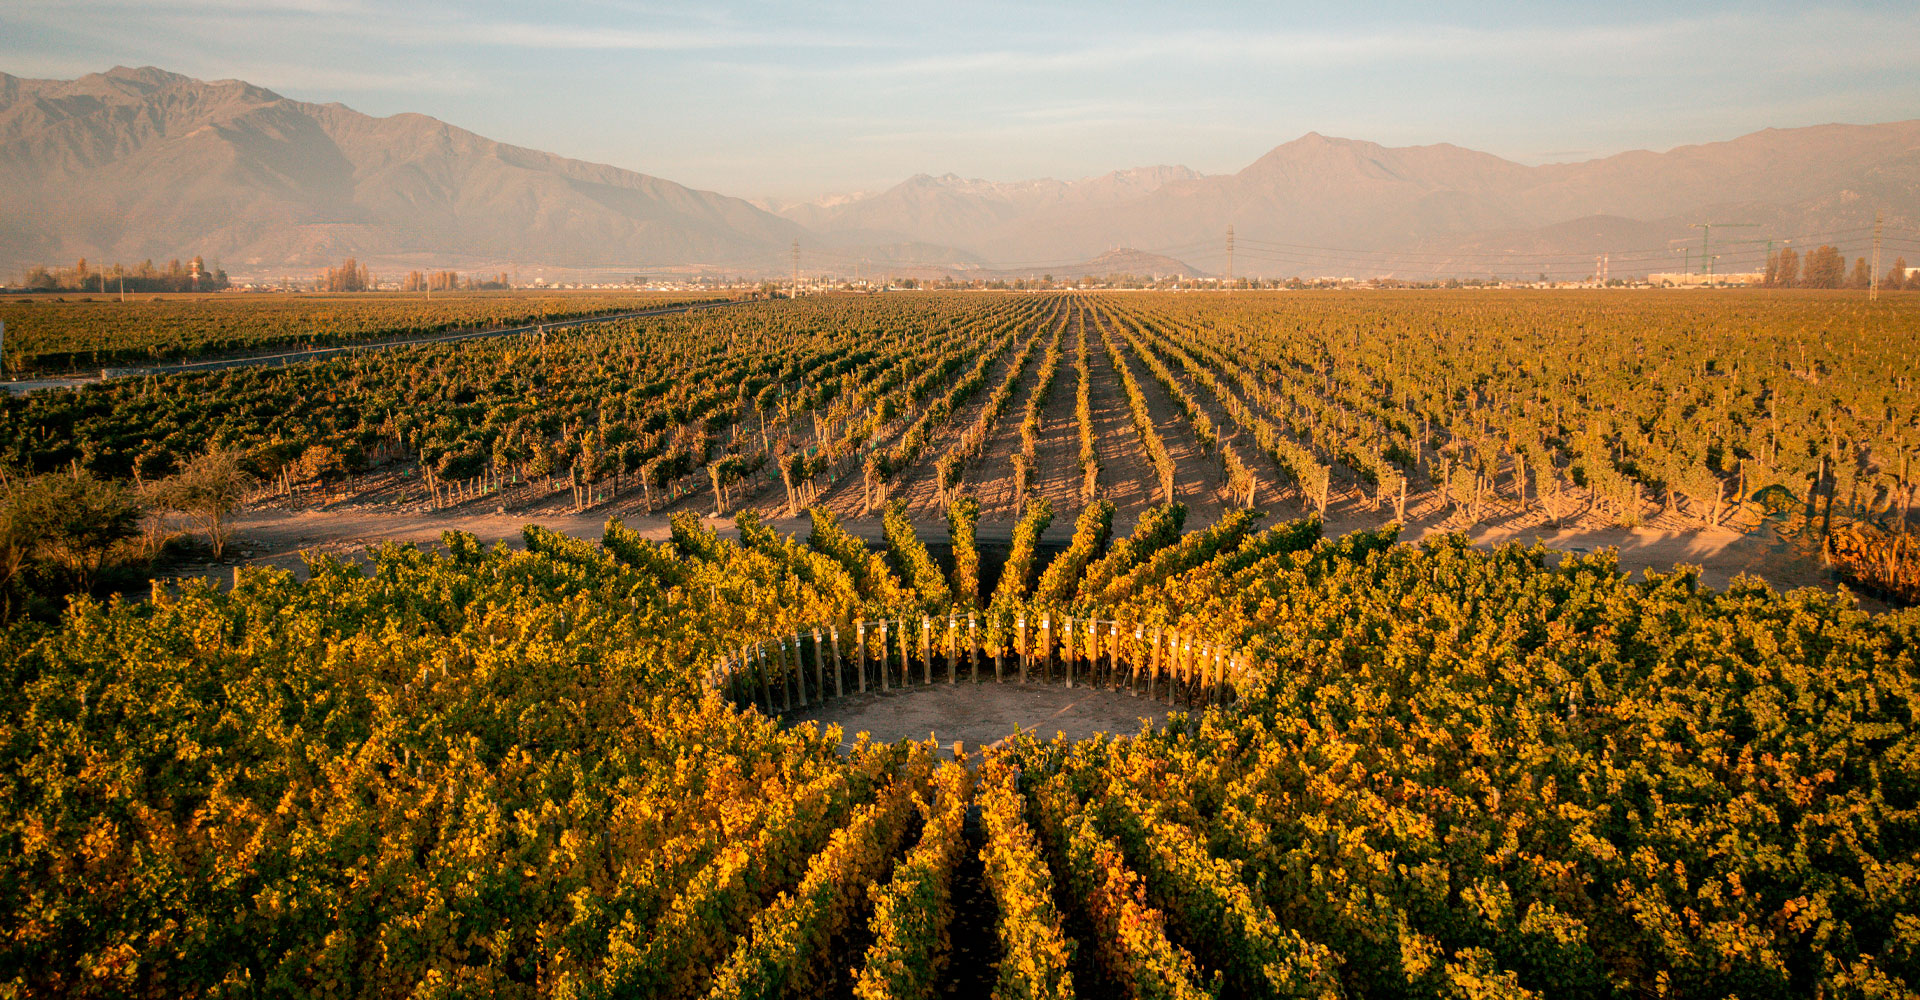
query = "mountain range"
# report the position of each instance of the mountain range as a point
(141, 163)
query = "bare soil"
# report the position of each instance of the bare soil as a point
(919, 487)
(1127, 478)
(1197, 479)
(991, 480)
(279, 537)
(978, 715)
(1056, 473)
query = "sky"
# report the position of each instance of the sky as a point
(792, 101)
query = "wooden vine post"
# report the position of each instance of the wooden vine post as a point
(926, 650)
(860, 654)
(1090, 649)
(953, 645)
(1066, 650)
(764, 675)
(973, 648)
(905, 631)
(1021, 649)
(839, 671)
(1153, 662)
(820, 669)
(786, 682)
(1133, 681)
(1046, 646)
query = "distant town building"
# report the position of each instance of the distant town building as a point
(1694, 280)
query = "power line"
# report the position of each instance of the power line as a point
(1873, 272)
(1229, 259)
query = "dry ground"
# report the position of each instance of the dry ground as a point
(978, 715)
(278, 537)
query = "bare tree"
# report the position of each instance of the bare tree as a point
(208, 489)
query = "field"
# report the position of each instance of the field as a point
(1426, 771)
(55, 334)
(1303, 752)
(1518, 413)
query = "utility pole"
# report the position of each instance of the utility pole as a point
(796, 267)
(1873, 275)
(1706, 233)
(1229, 260)
(1601, 271)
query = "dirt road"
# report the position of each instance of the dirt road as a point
(279, 537)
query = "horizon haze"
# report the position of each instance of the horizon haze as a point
(144, 163)
(797, 103)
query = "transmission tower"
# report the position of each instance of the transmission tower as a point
(1706, 233)
(1229, 260)
(1601, 270)
(1873, 276)
(796, 268)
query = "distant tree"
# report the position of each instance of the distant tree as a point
(1824, 268)
(208, 489)
(1862, 276)
(350, 276)
(1787, 269)
(1896, 275)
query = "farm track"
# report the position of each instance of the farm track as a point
(1197, 481)
(991, 481)
(1056, 473)
(1126, 475)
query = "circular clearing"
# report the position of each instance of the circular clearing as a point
(982, 714)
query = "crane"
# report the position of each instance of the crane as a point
(1706, 233)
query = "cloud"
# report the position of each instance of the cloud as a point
(1830, 38)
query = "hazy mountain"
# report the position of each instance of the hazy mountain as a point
(975, 214)
(1121, 260)
(138, 163)
(132, 164)
(1444, 209)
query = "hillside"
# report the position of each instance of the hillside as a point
(1438, 200)
(138, 163)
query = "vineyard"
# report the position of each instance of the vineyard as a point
(1402, 770)
(81, 332)
(1523, 412)
(1363, 766)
